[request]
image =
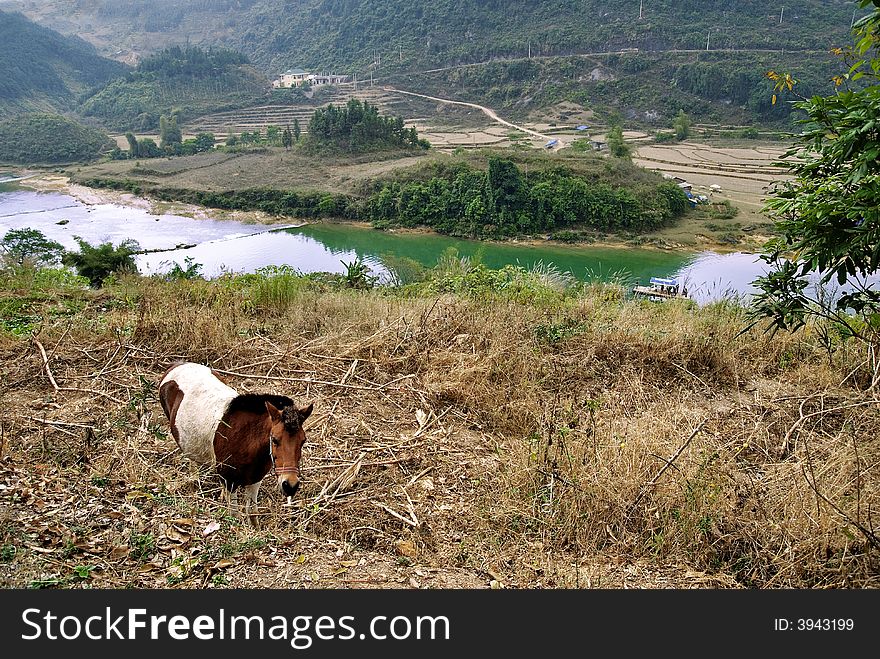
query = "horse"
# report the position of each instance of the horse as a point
(245, 436)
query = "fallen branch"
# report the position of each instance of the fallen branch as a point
(46, 364)
(372, 387)
(59, 423)
(71, 389)
(869, 536)
(653, 481)
(395, 514)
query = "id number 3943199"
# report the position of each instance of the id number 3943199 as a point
(813, 624)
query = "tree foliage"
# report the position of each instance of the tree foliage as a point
(49, 139)
(503, 202)
(358, 127)
(169, 133)
(97, 262)
(682, 126)
(617, 145)
(828, 213)
(22, 247)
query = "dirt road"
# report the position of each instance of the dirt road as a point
(489, 112)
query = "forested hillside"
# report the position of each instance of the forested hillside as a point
(49, 139)
(186, 80)
(355, 34)
(43, 70)
(541, 52)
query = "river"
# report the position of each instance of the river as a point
(222, 245)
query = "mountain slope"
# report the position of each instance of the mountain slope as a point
(708, 56)
(356, 34)
(403, 34)
(44, 70)
(190, 81)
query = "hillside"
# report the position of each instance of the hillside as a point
(472, 430)
(355, 34)
(536, 56)
(190, 81)
(45, 71)
(34, 138)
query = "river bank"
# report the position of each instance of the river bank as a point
(685, 237)
(62, 183)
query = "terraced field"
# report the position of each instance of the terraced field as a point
(745, 173)
(446, 125)
(260, 117)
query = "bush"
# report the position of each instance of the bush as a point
(98, 263)
(21, 247)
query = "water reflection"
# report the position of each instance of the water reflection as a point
(711, 276)
(250, 253)
(221, 246)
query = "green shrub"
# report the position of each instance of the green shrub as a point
(98, 263)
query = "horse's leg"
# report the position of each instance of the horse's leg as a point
(250, 498)
(231, 498)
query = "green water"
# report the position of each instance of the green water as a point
(584, 262)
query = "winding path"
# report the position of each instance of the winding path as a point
(489, 112)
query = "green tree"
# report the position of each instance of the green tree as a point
(616, 144)
(287, 138)
(505, 186)
(297, 131)
(96, 263)
(132, 145)
(21, 247)
(169, 132)
(828, 214)
(204, 141)
(682, 126)
(147, 148)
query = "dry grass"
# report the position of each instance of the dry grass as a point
(455, 443)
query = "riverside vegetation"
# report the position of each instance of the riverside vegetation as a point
(510, 426)
(481, 194)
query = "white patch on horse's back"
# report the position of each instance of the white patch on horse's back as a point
(205, 400)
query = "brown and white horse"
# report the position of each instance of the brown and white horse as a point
(244, 435)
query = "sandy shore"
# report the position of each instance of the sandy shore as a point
(53, 182)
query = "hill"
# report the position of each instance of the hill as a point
(41, 139)
(704, 55)
(189, 81)
(45, 71)
(477, 428)
(359, 34)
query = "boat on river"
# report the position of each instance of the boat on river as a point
(661, 289)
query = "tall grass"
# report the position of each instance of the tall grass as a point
(567, 422)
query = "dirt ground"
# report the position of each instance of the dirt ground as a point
(94, 493)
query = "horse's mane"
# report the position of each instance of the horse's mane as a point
(256, 404)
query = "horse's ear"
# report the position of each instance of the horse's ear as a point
(305, 412)
(273, 411)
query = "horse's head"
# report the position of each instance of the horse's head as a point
(286, 439)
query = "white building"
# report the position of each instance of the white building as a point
(298, 77)
(291, 78)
